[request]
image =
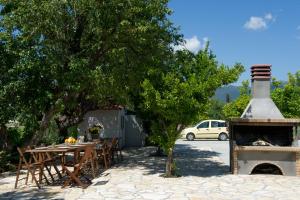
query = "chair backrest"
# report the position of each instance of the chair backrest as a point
(21, 152)
(115, 143)
(106, 143)
(111, 145)
(106, 147)
(22, 158)
(35, 156)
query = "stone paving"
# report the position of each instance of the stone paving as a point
(204, 176)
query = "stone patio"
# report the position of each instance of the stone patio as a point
(204, 176)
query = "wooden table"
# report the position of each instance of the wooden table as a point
(45, 154)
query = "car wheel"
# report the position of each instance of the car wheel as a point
(223, 136)
(190, 136)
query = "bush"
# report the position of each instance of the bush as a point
(5, 163)
(16, 135)
(52, 134)
(72, 131)
(149, 141)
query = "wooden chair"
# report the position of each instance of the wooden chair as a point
(52, 160)
(27, 165)
(103, 155)
(47, 161)
(116, 150)
(87, 159)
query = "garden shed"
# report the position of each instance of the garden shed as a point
(117, 122)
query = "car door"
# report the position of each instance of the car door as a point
(203, 129)
(214, 129)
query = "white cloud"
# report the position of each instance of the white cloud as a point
(255, 23)
(192, 44)
(259, 23)
(205, 40)
(269, 16)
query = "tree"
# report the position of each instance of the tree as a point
(215, 109)
(287, 98)
(237, 107)
(72, 56)
(175, 97)
(7, 110)
(228, 98)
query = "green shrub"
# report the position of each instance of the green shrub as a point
(72, 131)
(52, 134)
(5, 163)
(16, 135)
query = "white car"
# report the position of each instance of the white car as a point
(209, 129)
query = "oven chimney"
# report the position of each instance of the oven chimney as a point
(261, 106)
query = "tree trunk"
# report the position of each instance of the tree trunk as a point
(65, 122)
(4, 137)
(169, 164)
(47, 116)
(62, 129)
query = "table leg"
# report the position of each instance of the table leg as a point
(63, 159)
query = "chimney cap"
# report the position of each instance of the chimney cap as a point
(261, 65)
(261, 72)
(255, 73)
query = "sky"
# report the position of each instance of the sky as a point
(249, 32)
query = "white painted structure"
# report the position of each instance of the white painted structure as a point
(116, 123)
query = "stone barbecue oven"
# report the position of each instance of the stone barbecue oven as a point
(262, 141)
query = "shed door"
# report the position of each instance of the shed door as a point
(133, 132)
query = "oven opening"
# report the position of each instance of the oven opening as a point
(263, 135)
(267, 168)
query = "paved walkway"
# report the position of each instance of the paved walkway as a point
(204, 176)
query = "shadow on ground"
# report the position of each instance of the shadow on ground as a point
(28, 194)
(189, 161)
(196, 162)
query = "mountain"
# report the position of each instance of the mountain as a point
(234, 92)
(231, 90)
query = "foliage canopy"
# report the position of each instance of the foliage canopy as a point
(176, 97)
(63, 58)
